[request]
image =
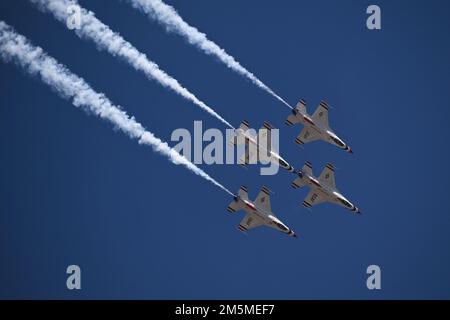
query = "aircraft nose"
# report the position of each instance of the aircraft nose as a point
(292, 233)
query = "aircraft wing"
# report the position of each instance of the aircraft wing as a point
(327, 176)
(264, 141)
(321, 114)
(263, 199)
(307, 135)
(250, 221)
(250, 156)
(313, 198)
(265, 137)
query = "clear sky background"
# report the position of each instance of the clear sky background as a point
(74, 191)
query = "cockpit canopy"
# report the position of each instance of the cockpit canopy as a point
(283, 163)
(345, 202)
(281, 226)
(338, 142)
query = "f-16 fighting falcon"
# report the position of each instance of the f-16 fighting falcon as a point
(258, 147)
(259, 212)
(316, 126)
(322, 189)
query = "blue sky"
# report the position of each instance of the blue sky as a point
(74, 191)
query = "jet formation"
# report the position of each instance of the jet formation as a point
(258, 147)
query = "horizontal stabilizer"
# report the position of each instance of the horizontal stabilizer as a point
(301, 106)
(267, 126)
(239, 137)
(234, 206)
(243, 193)
(244, 125)
(307, 168)
(298, 183)
(297, 113)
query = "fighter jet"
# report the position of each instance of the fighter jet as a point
(254, 144)
(316, 126)
(259, 212)
(322, 189)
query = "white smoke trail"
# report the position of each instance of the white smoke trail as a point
(93, 29)
(16, 48)
(169, 17)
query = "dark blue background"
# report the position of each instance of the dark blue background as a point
(73, 191)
